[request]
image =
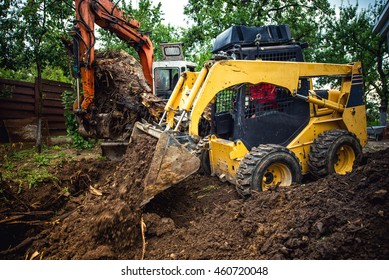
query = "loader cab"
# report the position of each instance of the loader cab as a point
(261, 113)
(167, 72)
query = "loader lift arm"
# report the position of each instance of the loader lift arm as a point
(105, 14)
(191, 100)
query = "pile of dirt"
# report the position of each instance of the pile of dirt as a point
(107, 223)
(338, 217)
(27, 210)
(122, 97)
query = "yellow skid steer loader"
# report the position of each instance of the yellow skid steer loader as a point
(269, 126)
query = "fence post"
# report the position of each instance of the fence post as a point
(36, 97)
(38, 111)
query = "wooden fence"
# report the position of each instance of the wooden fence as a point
(20, 100)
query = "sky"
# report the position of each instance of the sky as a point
(174, 10)
(362, 3)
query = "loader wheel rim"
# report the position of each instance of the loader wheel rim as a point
(277, 174)
(344, 159)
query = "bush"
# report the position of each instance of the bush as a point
(79, 142)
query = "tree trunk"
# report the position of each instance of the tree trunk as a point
(38, 144)
(383, 111)
(383, 78)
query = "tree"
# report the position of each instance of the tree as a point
(37, 22)
(36, 27)
(33, 29)
(211, 17)
(11, 37)
(151, 18)
(350, 38)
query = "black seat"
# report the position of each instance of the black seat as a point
(224, 124)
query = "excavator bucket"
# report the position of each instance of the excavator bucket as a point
(114, 150)
(172, 161)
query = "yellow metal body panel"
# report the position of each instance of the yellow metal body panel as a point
(225, 157)
(355, 120)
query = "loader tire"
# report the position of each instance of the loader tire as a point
(334, 151)
(202, 152)
(267, 166)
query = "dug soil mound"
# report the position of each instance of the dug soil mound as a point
(337, 217)
(26, 210)
(107, 224)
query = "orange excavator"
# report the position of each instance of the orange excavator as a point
(107, 15)
(161, 76)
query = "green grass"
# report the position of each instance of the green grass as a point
(23, 154)
(9, 166)
(206, 190)
(29, 169)
(38, 176)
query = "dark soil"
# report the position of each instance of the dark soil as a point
(338, 217)
(106, 224)
(25, 212)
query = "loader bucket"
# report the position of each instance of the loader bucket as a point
(172, 161)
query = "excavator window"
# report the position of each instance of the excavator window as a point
(259, 113)
(279, 55)
(225, 100)
(165, 81)
(270, 114)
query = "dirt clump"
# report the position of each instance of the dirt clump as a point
(122, 97)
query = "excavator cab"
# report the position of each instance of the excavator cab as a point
(167, 72)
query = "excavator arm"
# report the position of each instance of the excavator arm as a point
(105, 14)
